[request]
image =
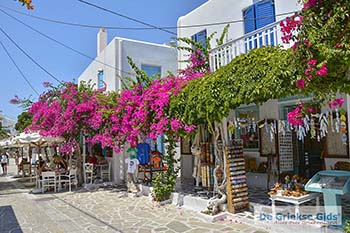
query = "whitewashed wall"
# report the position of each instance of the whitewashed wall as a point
(214, 11)
(115, 56)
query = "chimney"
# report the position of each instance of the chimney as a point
(101, 40)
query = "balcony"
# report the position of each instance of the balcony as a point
(224, 54)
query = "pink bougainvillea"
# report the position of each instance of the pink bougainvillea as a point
(289, 26)
(300, 84)
(311, 3)
(323, 71)
(294, 117)
(337, 103)
(113, 119)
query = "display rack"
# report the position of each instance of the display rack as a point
(207, 164)
(237, 189)
(285, 152)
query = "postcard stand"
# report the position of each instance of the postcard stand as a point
(237, 189)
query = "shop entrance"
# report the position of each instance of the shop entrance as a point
(310, 161)
(307, 154)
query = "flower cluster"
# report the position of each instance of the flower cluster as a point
(311, 3)
(66, 112)
(337, 103)
(289, 26)
(114, 119)
(294, 117)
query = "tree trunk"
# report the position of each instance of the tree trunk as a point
(79, 164)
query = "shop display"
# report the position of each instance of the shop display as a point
(286, 152)
(215, 203)
(237, 189)
(293, 187)
(207, 161)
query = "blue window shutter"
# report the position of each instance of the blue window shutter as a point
(200, 37)
(100, 79)
(265, 13)
(151, 70)
(194, 37)
(249, 26)
(249, 19)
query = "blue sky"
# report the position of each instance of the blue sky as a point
(61, 62)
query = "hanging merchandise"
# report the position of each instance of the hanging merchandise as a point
(337, 120)
(306, 121)
(312, 128)
(343, 130)
(238, 123)
(301, 133)
(248, 125)
(254, 126)
(272, 131)
(288, 127)
(323, 124)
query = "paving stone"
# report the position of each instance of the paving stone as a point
(160, 229)
(198, 230)
(178, 226)
(104, 211)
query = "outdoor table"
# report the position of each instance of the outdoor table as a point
(297, 201)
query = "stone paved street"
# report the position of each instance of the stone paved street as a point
(106, 210)
(109, 210)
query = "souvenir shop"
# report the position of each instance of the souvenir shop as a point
(148, 154)
(269, 149)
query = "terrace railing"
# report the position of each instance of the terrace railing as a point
(265, 36)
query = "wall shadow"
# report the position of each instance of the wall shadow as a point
(8, 220)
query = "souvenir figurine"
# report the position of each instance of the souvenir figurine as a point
(215, 203)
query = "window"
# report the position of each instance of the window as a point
(248, 130)
(151, 70)
(258, 15)
(200, 37)
(100, 79)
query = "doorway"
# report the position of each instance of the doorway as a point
(307, 154)
(310, 161)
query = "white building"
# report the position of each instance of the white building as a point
(7, 124)
(111, 64)
(255, 23)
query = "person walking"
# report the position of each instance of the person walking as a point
(4, 162)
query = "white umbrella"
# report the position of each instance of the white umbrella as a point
(4, 142)
(35, 139)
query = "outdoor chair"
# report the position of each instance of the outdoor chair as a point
(70, 179)
(38, 181)
(48, 180)
(25, 169)
(106, 171)
(89, 175)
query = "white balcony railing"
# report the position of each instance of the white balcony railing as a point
(268, 35)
